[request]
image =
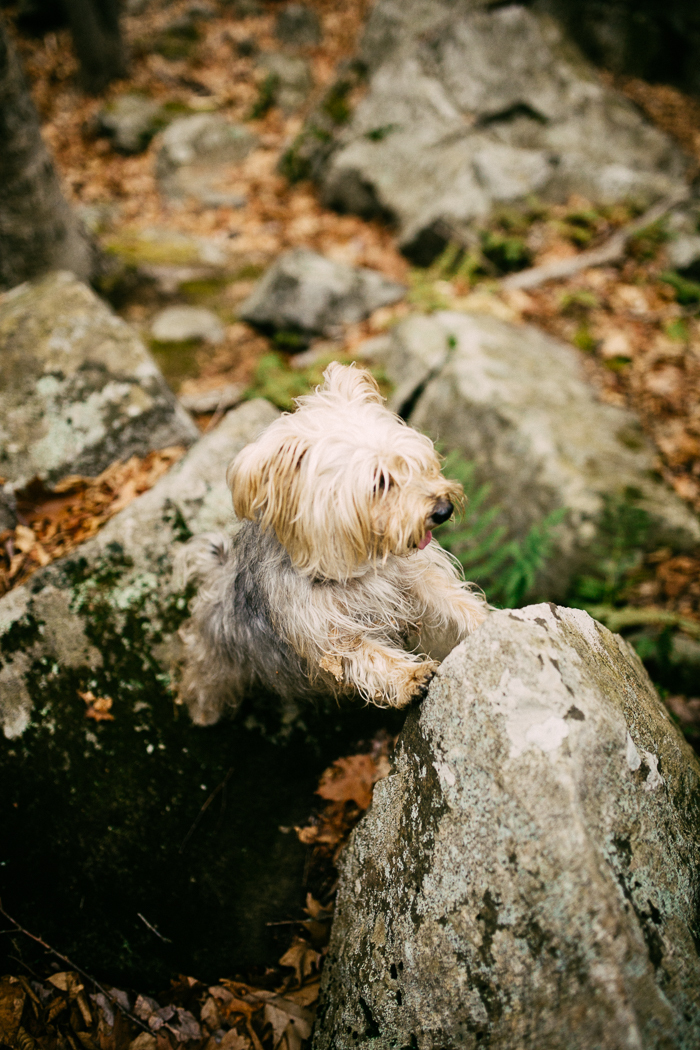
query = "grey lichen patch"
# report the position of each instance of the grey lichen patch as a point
(78, 388)
(533, 861)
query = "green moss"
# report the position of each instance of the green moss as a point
(379, 134)
(584, 339)
(578, 301)
(506, 252)
(135, 249)
(267, 95)
(249, 272)
(678, 329)
(617, 364)
(646, 243)
(177, 361)
(173, 517)
(335, 102)
(687, 292)
(204, 289)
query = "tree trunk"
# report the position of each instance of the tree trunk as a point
(38, 230)
(98, 42)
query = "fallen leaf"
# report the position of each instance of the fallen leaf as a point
(66, 982)
(349, 780)
(12, 998)
(302, 958)
(98, 706)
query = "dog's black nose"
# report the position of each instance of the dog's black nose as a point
(441, 511)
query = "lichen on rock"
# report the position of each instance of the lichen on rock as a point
(78, 389)
(529, 875)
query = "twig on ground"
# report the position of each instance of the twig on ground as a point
(205, 807)
(166, 940)
(71, 965)
(610, 252)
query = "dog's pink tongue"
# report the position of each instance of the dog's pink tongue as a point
(425, 541)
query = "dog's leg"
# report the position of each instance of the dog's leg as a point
(385, 676)
(450, 610)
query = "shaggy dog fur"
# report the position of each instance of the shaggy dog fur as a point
(332, 583)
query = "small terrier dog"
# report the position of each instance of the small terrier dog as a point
(332, 583)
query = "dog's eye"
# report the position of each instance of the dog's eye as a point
(383, 484)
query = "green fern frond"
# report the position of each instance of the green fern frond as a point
(506, 569)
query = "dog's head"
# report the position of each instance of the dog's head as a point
(343, 482)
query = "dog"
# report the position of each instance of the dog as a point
(332, 583)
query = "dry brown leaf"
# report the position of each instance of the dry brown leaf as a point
(12, 998)
(67, 981)
(302, 958)
(98, 707)
(349, 780)
(307, 995)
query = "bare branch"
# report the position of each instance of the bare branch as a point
(612, 251)
(71, 965)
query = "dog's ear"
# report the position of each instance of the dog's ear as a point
(264, 479)
(350, 383)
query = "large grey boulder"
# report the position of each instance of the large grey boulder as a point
(193, 497)
(529, 876)
(448, 130)
(196, 156)
(78, 389)
(517, 403)
(305, 293)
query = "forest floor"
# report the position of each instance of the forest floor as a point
(637, 331)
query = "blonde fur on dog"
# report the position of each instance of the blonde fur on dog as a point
(331, 583)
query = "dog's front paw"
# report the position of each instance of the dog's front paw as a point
(417, 683)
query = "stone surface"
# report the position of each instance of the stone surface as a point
(413, 353)
(516, 402)
(529, 876)
(177, 324)
(684, 252)
(196, 157)
(78, 389)
(131, 121)
(298, 24)
(305, 293)
(292, 79)
(447, 131)
(218, 399)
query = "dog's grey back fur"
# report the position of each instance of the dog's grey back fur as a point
(234, 647)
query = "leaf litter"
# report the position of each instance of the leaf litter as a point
(53, 520)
